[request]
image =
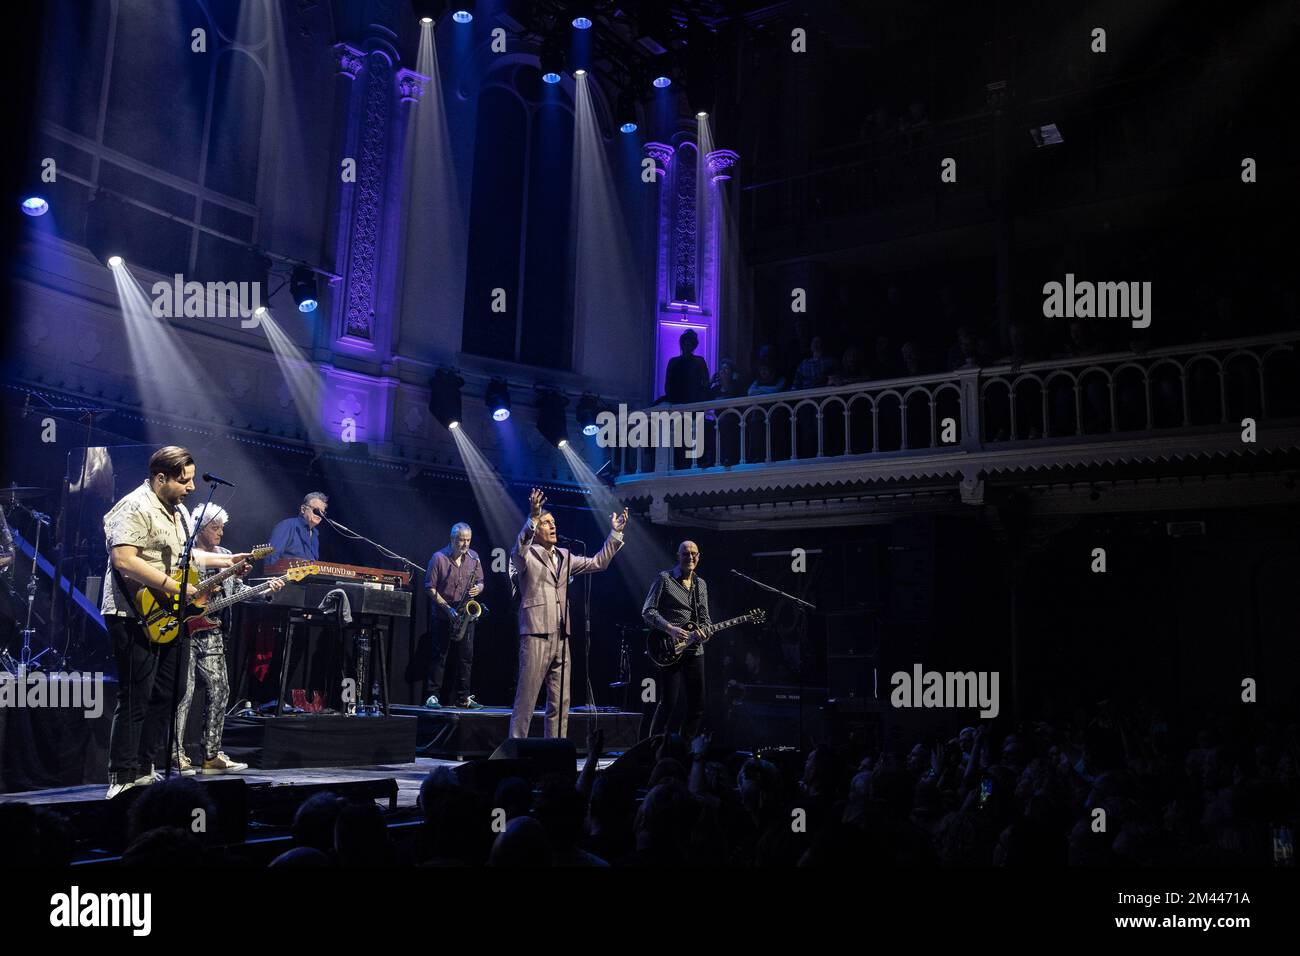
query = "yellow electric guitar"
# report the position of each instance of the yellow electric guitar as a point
(159, 611)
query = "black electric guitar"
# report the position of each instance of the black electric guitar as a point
(664, 650)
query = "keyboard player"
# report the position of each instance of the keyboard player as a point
(299, 536)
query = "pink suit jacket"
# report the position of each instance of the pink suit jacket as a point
(544, 588)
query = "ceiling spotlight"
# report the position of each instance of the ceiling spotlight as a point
(498, 399)
(261, 312)
(661, 82)
(464, 11)
(551, 418)
(105, 215)
(701, 115)
(586, 410)
(552, 61)
(444, 396)
(428, 11)
(627, 112)
(564, 443)
(302, 286)
(35, 206)
(114, 261)
(581, 23)
(579, 72)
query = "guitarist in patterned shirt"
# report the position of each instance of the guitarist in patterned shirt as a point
(207, 655)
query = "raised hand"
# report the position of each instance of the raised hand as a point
(535, 502)
(618, 522)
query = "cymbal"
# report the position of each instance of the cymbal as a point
(19, 493)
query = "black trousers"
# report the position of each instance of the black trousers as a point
(685, 678)
(146, 675)
(442, 644)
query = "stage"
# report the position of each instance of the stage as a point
(58, 750)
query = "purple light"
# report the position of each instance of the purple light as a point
(462, 16)
(550, 77)
(628, 128)
(35, 206)
(662, 81)
(582, 23)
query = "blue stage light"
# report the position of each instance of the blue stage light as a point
(462, 16)
(628, 128)
(35, 206)
(662, 81)
(550, 77)
(582, 23)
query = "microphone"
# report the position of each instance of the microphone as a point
(316, 511)
(560, 537)
(212, 479)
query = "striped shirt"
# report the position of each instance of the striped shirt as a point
(671, 604)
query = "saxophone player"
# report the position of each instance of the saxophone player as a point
(455, 574)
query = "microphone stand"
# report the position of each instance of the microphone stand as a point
(25, 659)
(798, 602)
(586, 626)
(182, 603)
(349, 533)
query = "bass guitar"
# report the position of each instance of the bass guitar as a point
(158, 608)
(205, 619)
(664, 650)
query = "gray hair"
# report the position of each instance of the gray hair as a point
(205, 514)
(460, 526)
(314, 494)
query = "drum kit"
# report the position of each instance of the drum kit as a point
(12, 497)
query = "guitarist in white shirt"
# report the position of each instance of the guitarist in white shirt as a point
(679, 596)
(145, 533)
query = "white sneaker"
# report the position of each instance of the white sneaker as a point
(153, 776)
(115, 788)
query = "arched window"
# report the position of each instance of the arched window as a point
(520, 238)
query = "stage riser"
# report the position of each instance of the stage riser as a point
(461, 735)
(294, 741)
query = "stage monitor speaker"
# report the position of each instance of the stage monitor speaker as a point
(484, 775)
(549, 754)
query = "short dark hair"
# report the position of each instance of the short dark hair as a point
(689, 335)
(170, 460)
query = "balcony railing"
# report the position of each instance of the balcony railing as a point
(1193, 388)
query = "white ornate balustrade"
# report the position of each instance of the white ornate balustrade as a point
(946, 433)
